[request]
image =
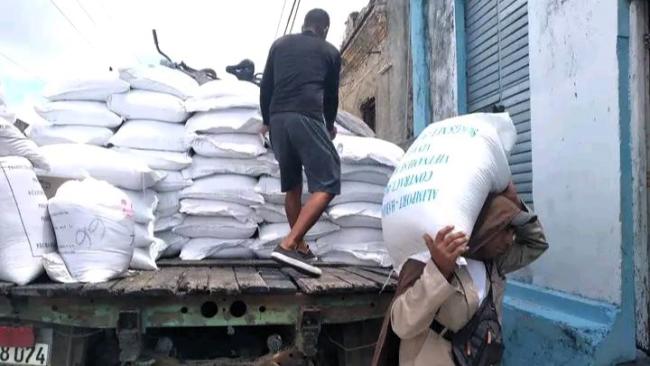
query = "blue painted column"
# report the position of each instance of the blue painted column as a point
(420, 51)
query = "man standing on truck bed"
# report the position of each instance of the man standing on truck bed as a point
(299, 103)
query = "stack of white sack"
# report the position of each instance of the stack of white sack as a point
(275, 225)
(154, 133)
(366, 166)
(444, 179)
(76, 111)
(79, 161)
(25, 227)
(229, 157)
(95, 230)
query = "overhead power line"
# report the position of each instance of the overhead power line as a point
(295, 15)
(20, 66)
(71, 23)
(286, 27)
(277, 29)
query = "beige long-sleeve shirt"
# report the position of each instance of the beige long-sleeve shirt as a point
(453, 303)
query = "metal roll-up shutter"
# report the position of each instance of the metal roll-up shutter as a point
(496, 40)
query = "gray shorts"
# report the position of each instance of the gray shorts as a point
(298, 140)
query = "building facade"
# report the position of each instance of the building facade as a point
(574, 77)
(375, 76)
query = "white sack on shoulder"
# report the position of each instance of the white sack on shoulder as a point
(172, 181)
(199, 207)
(215, 227)
(153, 135)
(254, 167)
(229, 145)
(72, 160)
(94, 229)
(367, 150)
(356, 214)
(142, 104)
(225, 93)
(202, 248)
(144, 204)
(25, 228)
(159, 160)
(160, 79)
(78, 113)
(444, 179)
(359, 192)
(56, 134)
(92, 88)
(14, 143)
(235, 120)
(231, 188)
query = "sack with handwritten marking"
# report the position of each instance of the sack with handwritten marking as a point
(444, 179)
(94, 226)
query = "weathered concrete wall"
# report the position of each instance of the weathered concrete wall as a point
(443, 63)
(376, 65)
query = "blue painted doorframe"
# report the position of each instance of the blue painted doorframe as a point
(421, 59)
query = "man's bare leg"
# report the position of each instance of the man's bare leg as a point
(293, 204)
(309, 214)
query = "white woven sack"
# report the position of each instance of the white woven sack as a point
(144, 204)
(367, 150)
(367, 173)
(172, 181)
(160, 79)
(78, 113)
(356, 214)
(72, 160)
(142, 104)
(359, 192)
(174, 242)
(159, 160)
(54, 134)
(168, 203)
(270, 235)
(254, 167)
(153, 135)
(271, 213)
(215, 227)
(271, 189)
(444, 179)
(25, 228)
(226, 93)
(14, 143)
(168, 222)
(145, 258)
(212, 208)
(234, 120)
(94, 227)
(229, 145)
(143, 235)
(202, 248)
(230, 187)
(93, 88)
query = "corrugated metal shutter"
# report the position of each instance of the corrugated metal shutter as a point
(496, 36)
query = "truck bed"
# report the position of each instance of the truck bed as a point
(205, 293)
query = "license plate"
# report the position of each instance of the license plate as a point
(38, 355)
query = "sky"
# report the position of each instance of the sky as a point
(46, 40)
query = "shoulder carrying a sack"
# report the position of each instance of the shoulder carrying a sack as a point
(479, 342)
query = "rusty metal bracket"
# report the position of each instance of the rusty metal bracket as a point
(308, 331)
(129, 335)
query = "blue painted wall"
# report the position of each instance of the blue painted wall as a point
(420, 51)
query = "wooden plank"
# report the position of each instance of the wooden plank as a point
(164, 283)
(195, 281)
(176, 262)
(325, 284)
(277, 281)
(46, 289)
(134, 285)
(98, 289)
(359, 283)
(387, 283)
(250, 281)
(222, 280)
